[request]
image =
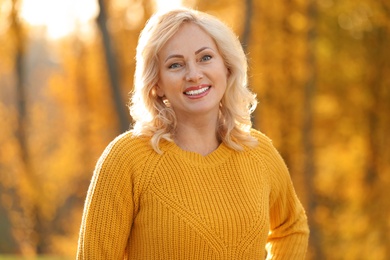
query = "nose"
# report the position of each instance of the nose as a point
(193, 73)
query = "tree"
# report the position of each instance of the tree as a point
(309, 168)
(113, 71)
(27, 170)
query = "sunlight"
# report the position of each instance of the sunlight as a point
(63, 17)
(59, 17)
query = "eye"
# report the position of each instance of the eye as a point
(174, 66)
(206, 58)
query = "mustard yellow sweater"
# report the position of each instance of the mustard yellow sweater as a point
(182, 205)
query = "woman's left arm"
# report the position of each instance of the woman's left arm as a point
(289, 231)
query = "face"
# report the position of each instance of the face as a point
(192, 73)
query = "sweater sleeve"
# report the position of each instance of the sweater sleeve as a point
(108, 210)
(289, 232)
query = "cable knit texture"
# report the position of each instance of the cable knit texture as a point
(182, 205)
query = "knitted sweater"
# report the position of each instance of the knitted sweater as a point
(182, 205)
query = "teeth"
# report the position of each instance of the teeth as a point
(196, 92)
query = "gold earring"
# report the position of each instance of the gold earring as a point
(166, 101)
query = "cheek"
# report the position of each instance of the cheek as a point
(165, 85)
(171, 80)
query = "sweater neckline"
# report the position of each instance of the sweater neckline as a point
(219, 155)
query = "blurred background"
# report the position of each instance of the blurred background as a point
(321, 69)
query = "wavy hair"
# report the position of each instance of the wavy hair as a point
(153, 118)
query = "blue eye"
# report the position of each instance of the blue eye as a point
(206, 58)
(174, 66)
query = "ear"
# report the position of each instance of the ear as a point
(159, 91)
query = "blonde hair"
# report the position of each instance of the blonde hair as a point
(155, 119)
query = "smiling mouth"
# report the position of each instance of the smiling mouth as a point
(197, 91)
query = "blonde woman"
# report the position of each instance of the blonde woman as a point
(192, 179)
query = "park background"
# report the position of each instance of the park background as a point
(320, 68)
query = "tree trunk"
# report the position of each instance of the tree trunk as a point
(113, 72)
(307, 135)
(247, 24)
(377, 135)
(22, 137)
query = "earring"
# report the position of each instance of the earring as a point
(166, 101)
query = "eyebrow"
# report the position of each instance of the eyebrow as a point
(181, 56)
(202, 49)
(173, 56)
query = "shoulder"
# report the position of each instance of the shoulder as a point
(261, 137)
(266, 151)
(124, 160)
(131, 142)
(127, 148)
(263, 141)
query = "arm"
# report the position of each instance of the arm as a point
(108, 210)
(289, 232)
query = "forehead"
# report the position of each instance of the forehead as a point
(189, 38)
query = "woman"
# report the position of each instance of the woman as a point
(192, 180)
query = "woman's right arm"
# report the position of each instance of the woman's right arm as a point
(108, 209)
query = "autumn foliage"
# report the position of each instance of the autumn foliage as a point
(321, 70)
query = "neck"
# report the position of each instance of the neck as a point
(197, 137)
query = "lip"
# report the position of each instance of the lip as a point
(194, 89)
